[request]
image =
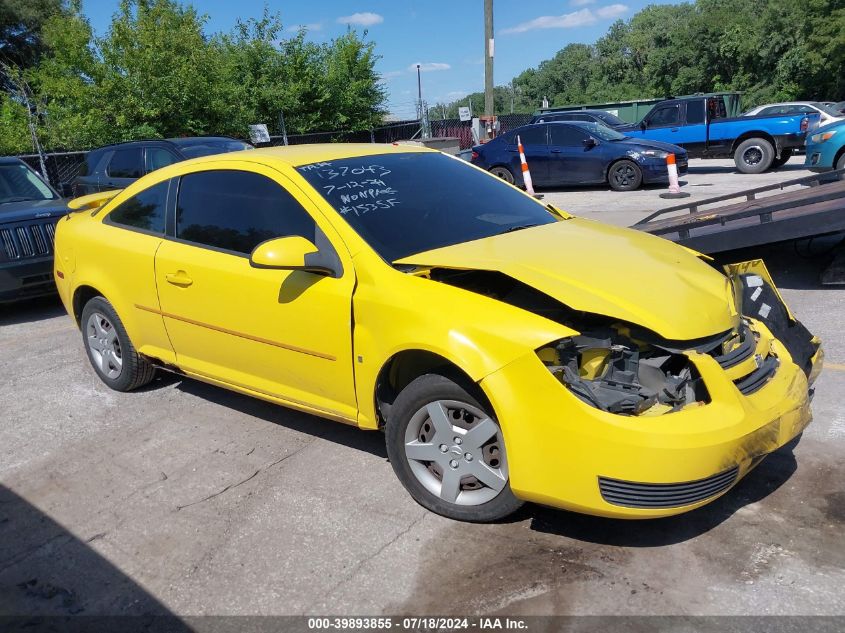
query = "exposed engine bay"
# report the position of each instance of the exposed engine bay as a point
(625, 369)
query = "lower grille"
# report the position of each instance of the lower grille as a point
(641, 495)
(759, 377)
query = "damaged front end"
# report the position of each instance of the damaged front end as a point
(614, 372)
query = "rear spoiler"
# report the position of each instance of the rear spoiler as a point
(92, 201)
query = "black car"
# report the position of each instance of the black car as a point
(117, 166)
(29, 210)
(590, 116)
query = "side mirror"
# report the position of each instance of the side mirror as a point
(643, 125)
(293, 252)
(589, 143)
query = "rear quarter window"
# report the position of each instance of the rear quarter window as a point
(145, 211)
(126, 163)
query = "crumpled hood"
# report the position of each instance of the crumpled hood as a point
(606, 270)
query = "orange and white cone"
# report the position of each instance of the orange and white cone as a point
(674, 185)
(526, 175)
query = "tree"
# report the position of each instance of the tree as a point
(21, 21)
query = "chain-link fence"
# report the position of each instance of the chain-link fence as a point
(62, 167)
(463, 129)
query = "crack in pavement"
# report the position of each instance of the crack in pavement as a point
(232, 486)
(366, 560)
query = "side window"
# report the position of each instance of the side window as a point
(768, 111)
(145, 210)
(667, 115)
(126, 163)
(533, 135)
(695, 111)
(237, 210)
(158, 157)
(567, 135)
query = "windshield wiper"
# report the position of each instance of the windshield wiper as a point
(519, 227)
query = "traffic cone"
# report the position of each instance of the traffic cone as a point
(526, 175)
(674, 185)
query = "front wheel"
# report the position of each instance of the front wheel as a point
(504, 173)
(625, 175)
(754, 156)
(448, 451)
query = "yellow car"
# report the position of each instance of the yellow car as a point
(510, 351)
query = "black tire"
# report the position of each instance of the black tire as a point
(781, 160)
(504, 173)
(108, 346)
(840, 162)
(624, 175)
(410, 405)
(754, 156)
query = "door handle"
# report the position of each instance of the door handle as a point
(179, 279)
(674, 129)
(555, 151)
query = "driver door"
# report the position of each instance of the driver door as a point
(279, 333)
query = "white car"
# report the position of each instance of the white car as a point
(828, 114)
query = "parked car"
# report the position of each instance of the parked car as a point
(574, 153)
(826, 148)
(29, 210)
(826, 113)
(511, 352)
(117, 166)
(589, 116)
(700, 125)
(839, 107)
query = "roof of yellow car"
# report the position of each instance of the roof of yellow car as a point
(296, 155)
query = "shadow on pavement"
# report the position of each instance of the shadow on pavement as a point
(351, 436)
(39, 309)
(770, 475)
(48, 574)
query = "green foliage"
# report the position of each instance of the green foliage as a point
(771, 50)
(156, 73)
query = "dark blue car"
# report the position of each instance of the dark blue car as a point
(29, 210)
(576, 153)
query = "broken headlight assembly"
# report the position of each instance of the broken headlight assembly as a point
(617, 374)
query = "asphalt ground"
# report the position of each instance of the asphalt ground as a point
(187, 499)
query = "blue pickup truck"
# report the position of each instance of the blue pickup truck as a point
(701, 126)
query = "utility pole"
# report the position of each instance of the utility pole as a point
(419, 90)
(488, 57)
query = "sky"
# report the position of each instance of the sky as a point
(446, 37)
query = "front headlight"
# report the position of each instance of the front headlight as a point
(612, 372)
(654, 153)
(822, 136)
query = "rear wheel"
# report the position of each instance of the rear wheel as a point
(754, 156)
(109, 349)
(781, 160)
(504, 173)
(448, 451)
(624, 175)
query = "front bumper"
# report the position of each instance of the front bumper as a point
(655, 171)
(560, 449)
(25, 279)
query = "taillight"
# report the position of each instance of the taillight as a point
(474, 156)
(805, 123)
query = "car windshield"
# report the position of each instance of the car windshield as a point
(827, 109)
(192, 148)
(402, 204)
(19, 183)
(601, 131)
(610, 119)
